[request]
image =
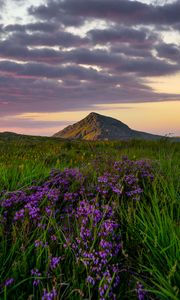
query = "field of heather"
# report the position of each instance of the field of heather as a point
(89, 220)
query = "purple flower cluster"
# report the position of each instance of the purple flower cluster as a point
(53, 193)
(39, 243)
(121, 185)
(125, 179)
(13, 198)
(36, 274)
(98, 244)
(68, 199)
(49, 295)
(140, 168)
(109, 183)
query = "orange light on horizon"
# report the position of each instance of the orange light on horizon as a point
(154, 117)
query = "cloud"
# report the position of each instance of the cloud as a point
(40, 70)
(30, 94)
(127, 12)
(2, 3)
(170, 51)
(10, 50)
(177, 26)
(59, 38)
(20, 44)
(121, 34)
(148, 67)
(53, 11)
(37, 26)
(96, 57)
(65, 59)
(132, 50)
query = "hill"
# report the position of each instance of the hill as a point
(99, 127)
(8, 136)
(11, 136)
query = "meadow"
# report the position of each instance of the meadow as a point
(89, 220)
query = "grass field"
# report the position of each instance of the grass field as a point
(89, 220)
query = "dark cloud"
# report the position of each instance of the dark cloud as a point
(120, 34)
(39, 70)
(132, 50)
(38, 26)
(41, 95)
(170, 51)
(1, 29)
(22, 53)
(177, 26)
(95, 57)
(144, 66)
(148, 67)
(16, 45)
(53, 11)
(60, 38)
(109, 9)
(127, 12)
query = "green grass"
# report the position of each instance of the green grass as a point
(154, 227)
(150, 229)
(25, 159)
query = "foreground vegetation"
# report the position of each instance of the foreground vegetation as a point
(89, 220)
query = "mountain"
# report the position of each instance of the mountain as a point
(99, 127)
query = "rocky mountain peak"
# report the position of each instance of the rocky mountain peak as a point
(99, 127)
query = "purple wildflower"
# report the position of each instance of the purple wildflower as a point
(90, 280)
(19, 215)
(54, 262)
(53, 237)
(38, 243)
(8, 282)
(36, 274)
(140, 291)
(94, 215)
(49, 295)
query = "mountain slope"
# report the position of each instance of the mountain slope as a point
(99, 127)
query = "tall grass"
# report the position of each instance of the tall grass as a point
(152, 231)
(149, 228)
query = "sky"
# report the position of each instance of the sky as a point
(62, 59)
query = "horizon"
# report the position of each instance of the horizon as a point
(62, 59)
(170, 134)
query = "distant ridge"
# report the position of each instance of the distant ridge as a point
(12, 136)
(99, 127)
